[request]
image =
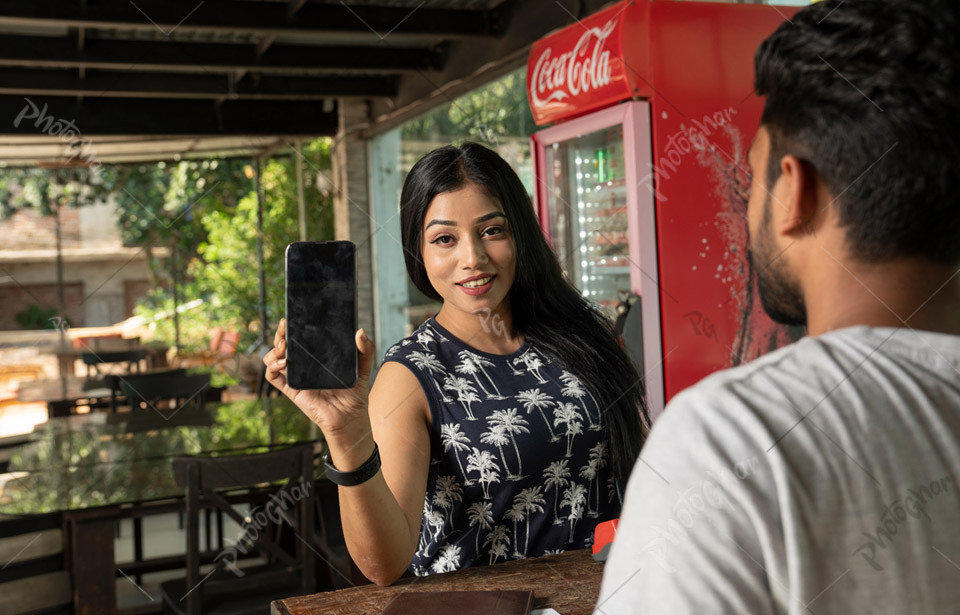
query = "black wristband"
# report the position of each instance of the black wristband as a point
(362, 474)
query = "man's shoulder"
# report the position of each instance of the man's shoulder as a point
(736, 387)
(750, 405)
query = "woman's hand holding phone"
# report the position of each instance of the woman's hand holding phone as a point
(338, 412)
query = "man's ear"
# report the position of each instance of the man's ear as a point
(795, 212)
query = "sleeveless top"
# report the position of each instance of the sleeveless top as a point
(519, 461)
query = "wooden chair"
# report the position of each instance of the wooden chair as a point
(93, 360)
(222, 347)
(156, 391)
(34, 578)
(223, 589)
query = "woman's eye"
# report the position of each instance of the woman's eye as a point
(443, 240)
(494, 230)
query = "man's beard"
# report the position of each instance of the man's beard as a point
(780, 292)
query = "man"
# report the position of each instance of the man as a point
(823, 477)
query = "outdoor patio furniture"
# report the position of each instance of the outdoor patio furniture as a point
(227, 590)
(100, 469)
(63, 395)
(157, 391)
(222, 347)
(93, 360)
(34, 578)
(67, 353)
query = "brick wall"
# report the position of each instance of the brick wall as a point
(15, 299)
(133, 290)
(27, 229)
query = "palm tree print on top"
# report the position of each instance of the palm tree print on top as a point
(574, 388)
(504, 426)
(466, 394)
(596, 461)
(428, 361)
(471, 363)
(519, 465)
(555, 477)
(453, 438)
(532, 400)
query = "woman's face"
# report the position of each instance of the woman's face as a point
(465, 237)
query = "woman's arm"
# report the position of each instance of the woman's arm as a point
(381, 517)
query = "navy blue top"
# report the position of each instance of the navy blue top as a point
(519, 462)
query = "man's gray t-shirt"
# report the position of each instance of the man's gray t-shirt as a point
(821, 478)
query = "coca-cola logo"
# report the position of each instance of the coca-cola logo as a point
(573, 72)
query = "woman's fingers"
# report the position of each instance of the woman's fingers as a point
(275, 362)
(365, 360)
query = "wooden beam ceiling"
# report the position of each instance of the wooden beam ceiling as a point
(254, 16)
(144, 116)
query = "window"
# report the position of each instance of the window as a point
(496, 115)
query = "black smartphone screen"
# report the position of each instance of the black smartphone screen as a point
(321, 314)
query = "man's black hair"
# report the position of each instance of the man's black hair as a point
(868, 93)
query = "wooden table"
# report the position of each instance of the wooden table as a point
(568, 582)
(62, 394)
(68, 354)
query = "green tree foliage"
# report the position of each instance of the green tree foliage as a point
(205, 213)
(49, 189)
(498, 109)
(218, 257)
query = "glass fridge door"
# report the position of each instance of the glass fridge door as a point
(586, 184)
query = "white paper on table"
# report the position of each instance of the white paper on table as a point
(544, 612)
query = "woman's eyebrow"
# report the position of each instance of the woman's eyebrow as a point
(483, 218)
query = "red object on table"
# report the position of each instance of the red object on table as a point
(603, 536)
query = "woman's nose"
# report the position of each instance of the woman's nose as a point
(474, 254)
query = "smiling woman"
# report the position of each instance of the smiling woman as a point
(472, 241)
(469, 257)
(506, 426)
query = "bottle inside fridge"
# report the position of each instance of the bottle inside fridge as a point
(588, 214)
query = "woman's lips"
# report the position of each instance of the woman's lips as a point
(479, 290)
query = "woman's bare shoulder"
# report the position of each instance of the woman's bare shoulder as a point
(397, 389)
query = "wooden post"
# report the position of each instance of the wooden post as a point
(262, 279)
(301, 206)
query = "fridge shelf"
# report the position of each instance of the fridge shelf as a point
(601, 193)
(597, 269)
(615, 238)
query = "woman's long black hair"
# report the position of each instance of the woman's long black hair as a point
(547, 310)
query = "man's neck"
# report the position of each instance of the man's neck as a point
(913, 294)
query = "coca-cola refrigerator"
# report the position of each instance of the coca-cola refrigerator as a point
(642, 179)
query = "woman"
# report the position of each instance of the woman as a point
(506, 424)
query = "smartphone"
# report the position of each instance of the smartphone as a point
(321, 314)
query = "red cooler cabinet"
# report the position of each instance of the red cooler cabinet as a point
(642, 180)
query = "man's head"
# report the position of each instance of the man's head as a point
(859, 146)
